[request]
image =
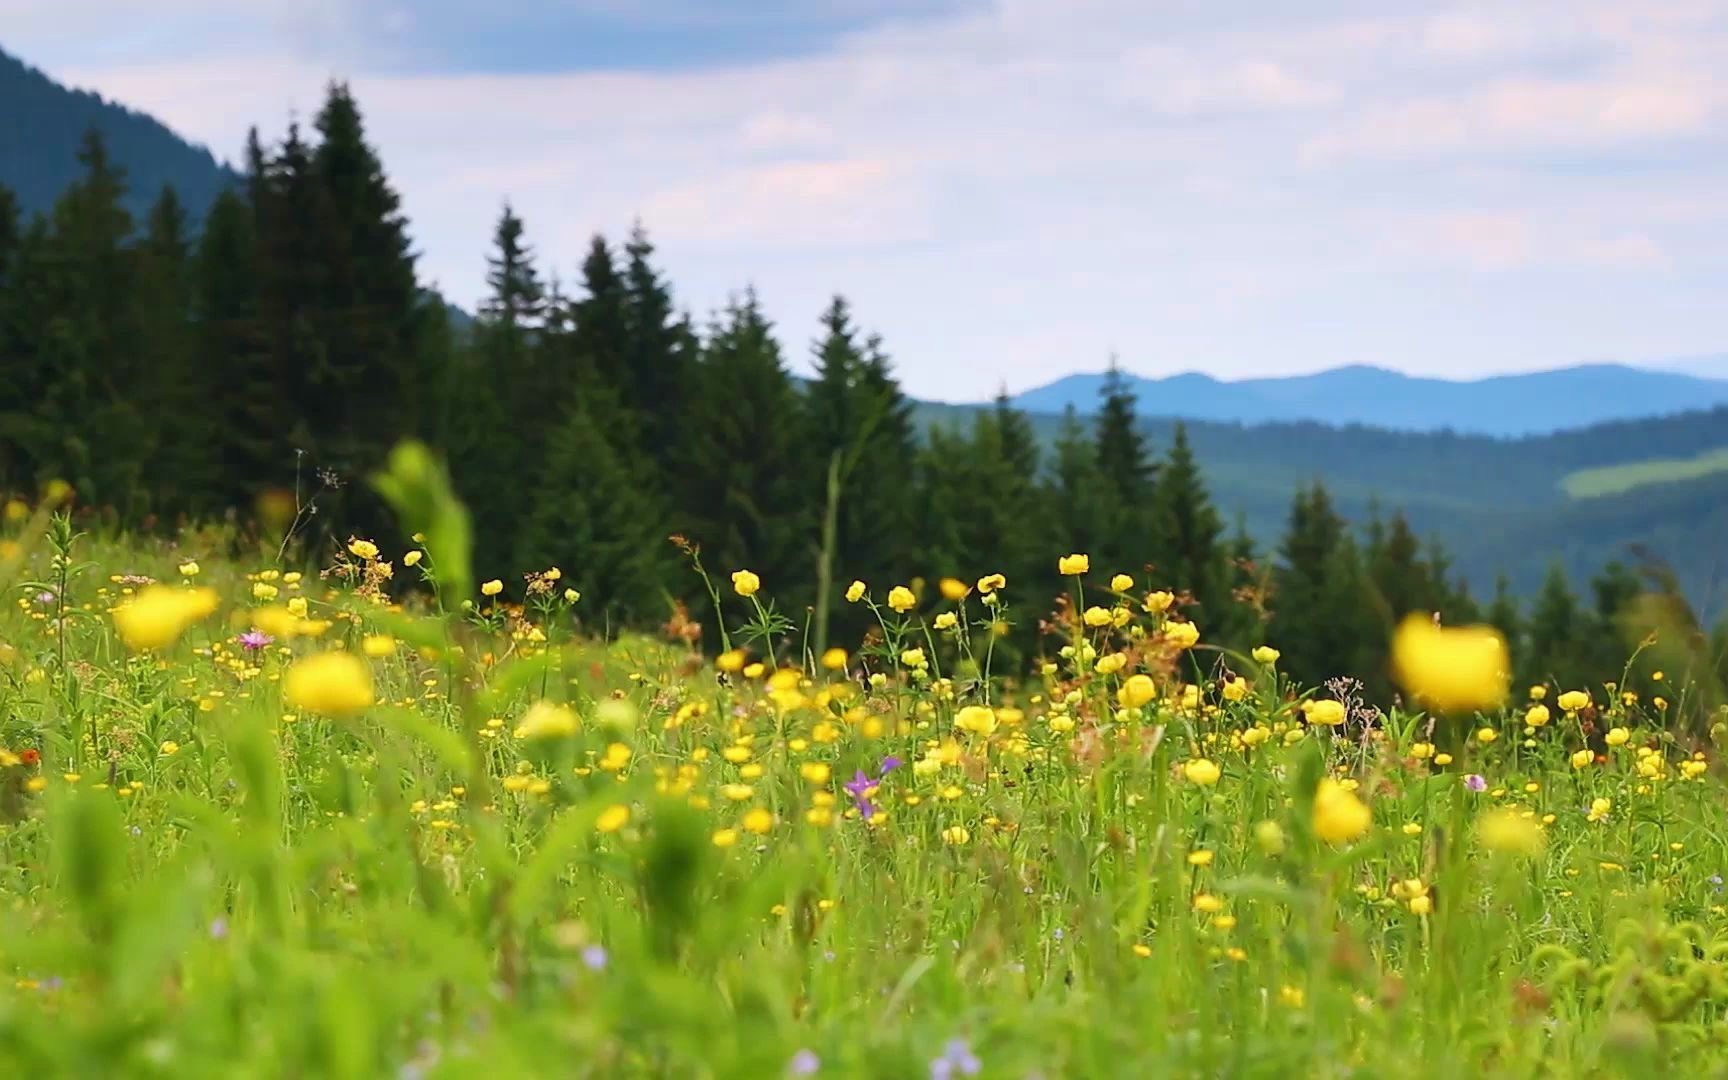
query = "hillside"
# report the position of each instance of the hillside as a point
(42, 122)
(1504, 405)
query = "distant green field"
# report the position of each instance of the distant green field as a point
(1615, 479)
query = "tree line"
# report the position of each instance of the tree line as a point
(173, 371)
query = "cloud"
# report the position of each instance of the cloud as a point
(1011, 189)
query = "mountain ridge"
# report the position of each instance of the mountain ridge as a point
(1504, 405)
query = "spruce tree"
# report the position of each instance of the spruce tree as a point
(249, 393)
(1555, 640)
(658, 353)
(1127, 473)
(1323, 620)
(1186, 533)
(1078, 496)
(1504, 615)
(181, 455)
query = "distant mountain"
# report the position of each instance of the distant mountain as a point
(1502, 405)
(42, 123)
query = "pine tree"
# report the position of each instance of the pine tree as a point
(1186, 533)
(1554, 642)
(751, 509)
(181, 458)
(1128, 474)
(1323, 620)
(658, 352)
(1401, 580)
(1078, 495)
(1503, 615)
(13, 466)
(1614, 590)
(247, 390)
(600, 335)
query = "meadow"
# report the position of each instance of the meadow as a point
(368, 816)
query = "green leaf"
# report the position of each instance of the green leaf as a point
(417, 487)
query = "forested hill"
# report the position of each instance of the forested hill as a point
(43, 122)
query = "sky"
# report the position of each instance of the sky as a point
(1013, 190)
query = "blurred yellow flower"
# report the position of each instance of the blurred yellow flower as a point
(1201, 771)
(953, 589)
(1183, 635)
(1137, 691)
(1508, 832)
(546, 720)
(612, 818)
(759, 821)
(189, 568)
(378, 646)
(159, 614)
(1453, 669)
(976, 719)
(332, 683)
(1339, 816)
(834, 659)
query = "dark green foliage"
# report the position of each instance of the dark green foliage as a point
(1186, 541)
(1126, 478)
(1324, 620)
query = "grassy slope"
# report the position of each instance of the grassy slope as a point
(1615, 479)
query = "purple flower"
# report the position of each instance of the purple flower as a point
(219, 928)
(804, 1063)
(860, 787)
(957, 1060)
(889, 764)
(254, 639)
(595, 957)
(1475, 782)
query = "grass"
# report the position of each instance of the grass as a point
(491, 846)
(1618, 479)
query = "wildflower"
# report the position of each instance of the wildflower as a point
(492, 588)
(956, 835)
(854, 592)
(900, 598)
(1617, 736)
(759, 821)
(1137, 691)
(1583, 759)
(1121, 583)
(612, 818)
(1536, 715)
(378, 646)
(594, 957)
(976, 719)
(1599, 809)
(1201, 771)
(332, 683)
(1236, 689)
(1266, 654)
(1508, 832)
(158, 615)
(1207, 904)
(362, 549)
(913, 658)
(1097, 616)
(189, 568)
(724, 838)
(1324, 711)
(1156, 603)
(545, 720)
(953, 589)
(816, 772)
(1074, 565)
(731, 661)
(834, 659)
(572, 595)
(862, 787)
(1183, 635)
(1270, 836)
(957, 1058)
(989, 583)
(804, 1063)
(745, 583)
(412, 558)
(947, 620)
(1573, 700)
(254, 639)
(1339, 816)
(1453, 669)
(1476, 782)
(1486, 735)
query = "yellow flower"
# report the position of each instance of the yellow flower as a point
(1266, 654)
(1121, 583)
(1536, 715)
(900, 598)
(1324, 711)
(1207, 904)
(855, 592)
(947, 620)
(412, 558)
(1097, 616)
(1599, 809)
(1202, 772)
(755, 670)
(913, 658)
(362, 549)
(1617, 736)
(189, 568)
(297, 606)
(1486, 735)
(1508, 832)
(953, 589)
(1270, 836)
(1183, 635)
(159, 614)
(1339, 816)
(492, 588)
(731, 661)
(612, 818)
(977, 719)
(989, 583)
(759, 821)
(1573, 700)
(1156, 603)
(572, 595)
(834, 659)
(1201, 857)
(332, 683)
(1421, 905)
(1236, 689)
(745, 583)
(724, 838)
(263, 590)
(1074, 565)
(957, 835)
(816, 772)
(1453, 669)
(545, 720)
(1137, 691)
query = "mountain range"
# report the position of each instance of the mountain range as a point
(1501, 405)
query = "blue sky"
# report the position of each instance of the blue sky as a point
(1010, 190)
